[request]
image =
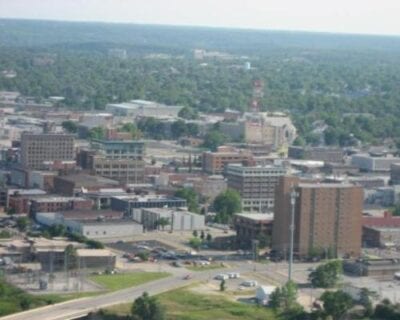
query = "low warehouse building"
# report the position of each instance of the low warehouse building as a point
(177, 220)
(96, 259)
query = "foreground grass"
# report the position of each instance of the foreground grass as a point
(13, 299)
(121, 281)
(183, 304)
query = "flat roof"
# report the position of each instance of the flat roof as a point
(326, 185)
(107, 222)
(58, 199)
(94, 253)
(256, 216)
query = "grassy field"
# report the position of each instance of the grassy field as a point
(120, 281)
(13, 299)
(183, 304)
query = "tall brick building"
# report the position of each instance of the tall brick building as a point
(36, 149)
(327, 217)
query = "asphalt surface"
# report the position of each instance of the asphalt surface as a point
(81, 307)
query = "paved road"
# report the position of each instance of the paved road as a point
(81, 307)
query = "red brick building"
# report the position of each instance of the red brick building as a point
(328, 216)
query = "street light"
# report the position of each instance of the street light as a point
(293, 195)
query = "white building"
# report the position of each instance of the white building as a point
(263, 293)
(101, 229)
(178, 220)
(143, 108)
(367, 162)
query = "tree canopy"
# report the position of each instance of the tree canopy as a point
(226, 204)
(147, 308)
(326, 275)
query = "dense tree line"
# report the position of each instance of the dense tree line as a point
(348, 83)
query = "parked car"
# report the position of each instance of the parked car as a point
(249, 283)
(234, 275)
(221, 276)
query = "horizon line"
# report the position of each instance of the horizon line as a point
(323, 32)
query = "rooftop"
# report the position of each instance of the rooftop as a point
(256, 216)
(94, 253)
(326, 185)
(88, 180)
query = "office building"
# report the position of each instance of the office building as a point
(256, 185)
(215, 162)
(395, 173)
(74, 184)
(327, 217)
(372, 163)
(116, 159)
(326, 154)
(272, 129)
(36, 149)
(252, 226)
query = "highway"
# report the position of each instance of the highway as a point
(77, 308)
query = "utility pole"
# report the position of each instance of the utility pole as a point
(293, 195)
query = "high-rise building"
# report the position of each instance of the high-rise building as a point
(39, 149)
(119, 160)
(327, 217)
(256, 185)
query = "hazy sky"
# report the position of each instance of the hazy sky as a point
(350, 16)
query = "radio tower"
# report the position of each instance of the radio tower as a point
(258, 93)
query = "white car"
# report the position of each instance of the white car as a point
(234, 275)
(221, 276)
(249, 283)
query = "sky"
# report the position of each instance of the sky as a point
(344, 16)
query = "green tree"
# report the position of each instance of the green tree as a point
(57, 230)
(326, 275)
(22, 223)
(132, 129)
(163, 222)
(222, 285)
(263, 241)
(213, 139)
(284, 298)
(97, 133)
(366, 302)
(202, 235)
(71, 257)
(143, 255)
(188, 113)
(195, 233)
(387, 310)
(147, 308)
(226, 204)
(191, 198)
(69, 126)
(336, 303)
(178, 129)
(209, 237)
(195, 243)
